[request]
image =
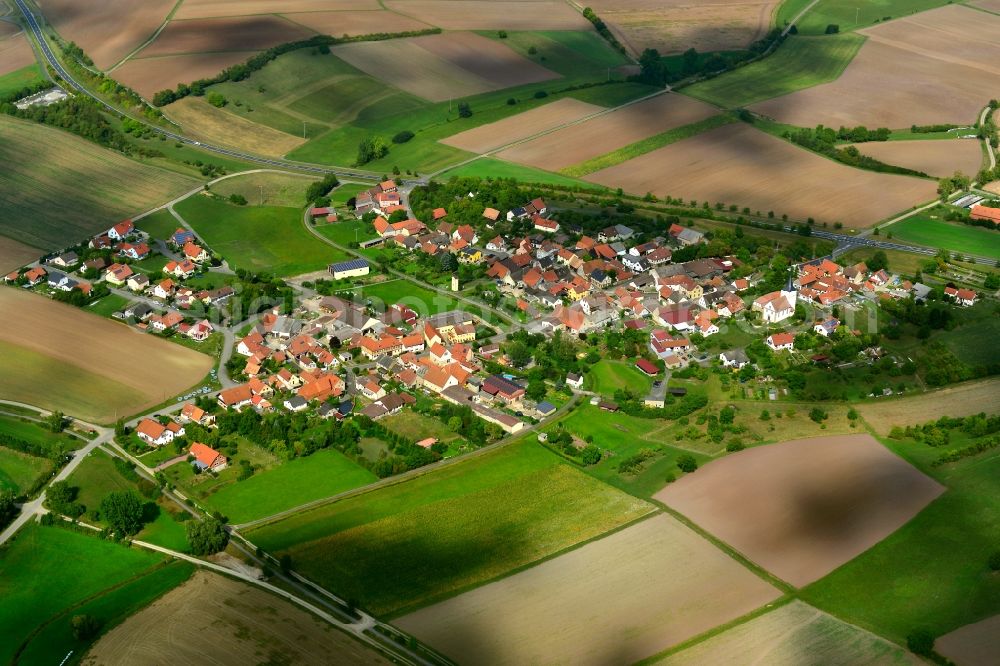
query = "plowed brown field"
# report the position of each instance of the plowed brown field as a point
(243, 624)
(108, 30)
(604, 134)
(440, 67)
(802, 508)
(14, 254)
(338, 24)
(493, 135)
(15, 53)
(974, 644)
(150, 75)
(247, 33)
(613, 601)
(935, 158)
(672, 26)
(493, 14)
(737, 164)
(923, 69)
(191, 9)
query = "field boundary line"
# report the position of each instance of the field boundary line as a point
(152, 38)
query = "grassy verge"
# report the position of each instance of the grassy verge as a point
(489, 167)
(646, 145)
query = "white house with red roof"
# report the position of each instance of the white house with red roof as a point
(205, 457)
(154, 433)
(121, 230)
(780, 341)
(963, 297)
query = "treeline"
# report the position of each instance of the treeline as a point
(243, 70)
(938, 433)
(655, 70)
(931, 129)
(403, 456)
(603, 31)
(823, 140)
(317, 191)
(24, 446)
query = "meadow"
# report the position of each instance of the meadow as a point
(262, 239)
(931, 573)
(88, 175)
(270, 188)
(19, 471)
(930, 229)
(454, 527)
(607, 376)
(19, 78)
(423, 301)
(849, 14)
(415, 426)
(48, 574)
(801, 62)
(489, 167)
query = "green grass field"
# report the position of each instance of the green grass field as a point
(423, 301)
(607, 376)
(48, 574)
(289, 484)
(407, 545)
(77, 392)
(414, 427)
(572, 53)
(267, 239)
(19, 471)
(801, 62)
(108, 305)
(19, 78)
(850, 14)
(646, 145)
(345, 233)
(36, 434)
(932, 572)
(930, 229)
(160, 224)
(490, 167)
(64, 167)
(277, 189)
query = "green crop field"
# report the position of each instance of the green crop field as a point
(66, 168)
(932, 573)
(267, 239)
(48, 574)
(608, 376)
(20, 78)
(801, 62)
(277, 189)
(407, 545)
(36, 434)
(850, 14)
(572, 53)
(160, 224)
(19, 471)
(930, 229)
(290, 484)
(490, 167)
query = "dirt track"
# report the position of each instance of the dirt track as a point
(215, 621)
(802, 508)
(613, 601)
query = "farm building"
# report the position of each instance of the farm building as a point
(979, 212)
(348, 269)
(647, 368)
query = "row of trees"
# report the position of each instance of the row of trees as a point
(823, 140)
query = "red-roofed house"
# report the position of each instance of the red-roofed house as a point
(205, 457)
(153, 433)
(780, 341)
(979, 212)
(121, 230)
(647, 368)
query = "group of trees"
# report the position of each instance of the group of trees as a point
(957, 182)
(403, 454)
(370, 149)
(317, 191)
(823, 140)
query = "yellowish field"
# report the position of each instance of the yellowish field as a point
(961, 400)
(277, 189)
(974, 644)
(609, 132)
(224, 34)
(440, 67)
(212, 619)
(493, 14)
(613, 601)
(14, 254)
(802, 508)
(148, 76)
(935, 158)
(737, 164)
(15, 53)
(493, 135)
(109, 30)
(923, 69)
(131, 370)
(192, 9)
(203, 121)
(795, 634)
(672, 26)
(342, 23)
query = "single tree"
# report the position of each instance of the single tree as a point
(123, 511)
(207, 536)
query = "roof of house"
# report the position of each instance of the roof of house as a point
(204, 454)
(150, 428)
(351, 265)
(647, 367)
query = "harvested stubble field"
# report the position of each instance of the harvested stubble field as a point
(493, 14)
(925, 69)
(616, 600)
(224, 34)
(974, 644)
(278, 188)
(672, 26)
(960, 400)
(606, 133)
(795, 634)
(352, 23)
(804, 507)
(737, 164)
(203, 121)
(67, 168)
(196, 9)
(84, 342)
(247, 624)
(441, 67)
(15, 53)
(148, 76)
(936, 158)
(514, 128)
(106, 31)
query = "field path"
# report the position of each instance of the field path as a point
(798, 16)
(989, 146)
